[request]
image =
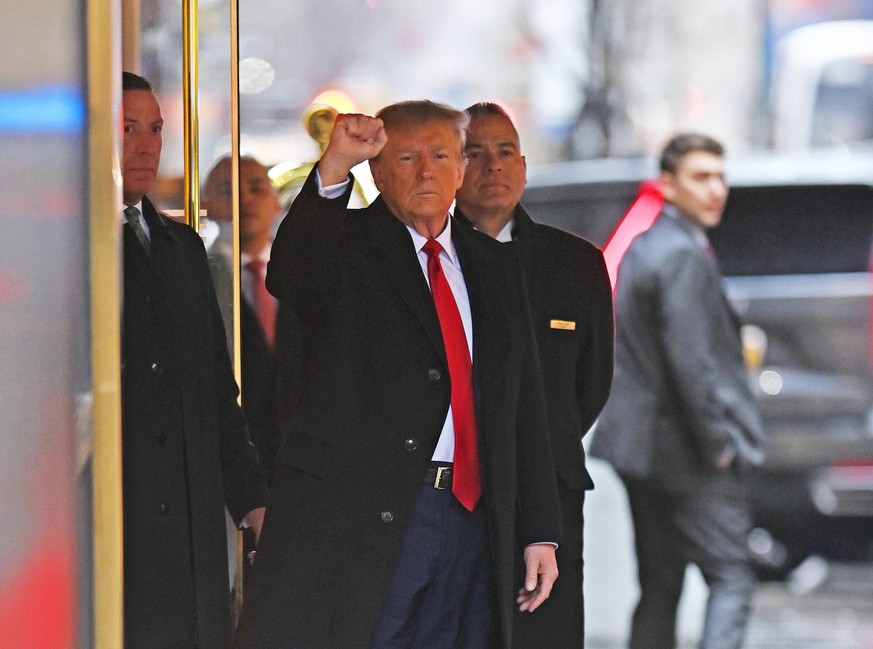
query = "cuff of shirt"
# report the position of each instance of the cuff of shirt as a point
(552, 543)
(331, 191)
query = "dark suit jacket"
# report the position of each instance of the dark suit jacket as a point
(270, 379)
(376, 393)
(270, 375)
(186, 451)
(681, 392)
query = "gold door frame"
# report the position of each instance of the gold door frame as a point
(104, 102)
(105, 53)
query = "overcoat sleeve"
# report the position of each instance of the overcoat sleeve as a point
(687, 289)
(302, 267)
(594, 362)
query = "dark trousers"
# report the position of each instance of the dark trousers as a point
(438, 596)
(559, 623)
(709, 527)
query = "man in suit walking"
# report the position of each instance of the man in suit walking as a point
(682, 425)
(420, 445)
(185, 449)
(571, 306)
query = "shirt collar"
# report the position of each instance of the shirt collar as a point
(138, 206)
(444, 238)
(505, 234)
(696, 230)
(263, 255)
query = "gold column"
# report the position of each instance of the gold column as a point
(131, 55)
(104, 141)
(190, 87)
(234, 175)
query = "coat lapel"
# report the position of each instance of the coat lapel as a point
(160, 232)
(400, 267)
(482, 274)
(686, 228)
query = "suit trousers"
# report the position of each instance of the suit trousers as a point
(438, 596)
(707, 526)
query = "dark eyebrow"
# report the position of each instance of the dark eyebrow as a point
(501, 144)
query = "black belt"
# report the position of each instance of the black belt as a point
(439, 477)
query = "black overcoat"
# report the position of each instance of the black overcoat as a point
(375, 395)
(186, 450)
(571, 309)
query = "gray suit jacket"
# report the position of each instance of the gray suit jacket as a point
(680, 395)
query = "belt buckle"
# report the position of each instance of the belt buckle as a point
(440, 470)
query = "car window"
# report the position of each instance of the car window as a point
(591, 210)
(806, 229)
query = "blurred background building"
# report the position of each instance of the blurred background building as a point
(584, 78)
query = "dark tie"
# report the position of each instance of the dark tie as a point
(466, 482)
(710, 253)
(265, 305)
(131, 215)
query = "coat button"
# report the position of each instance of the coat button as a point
(165, 509)
(387, 517)
(148, 298)
(162, 437)
(156, 368)
(434, 374)
(410, 445)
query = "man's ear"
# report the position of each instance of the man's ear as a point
(667, 185)
(376, 172)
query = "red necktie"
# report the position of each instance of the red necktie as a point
(265, 305)
(466, 482)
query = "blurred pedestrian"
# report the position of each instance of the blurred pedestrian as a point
(186, 453)
(571, 304)
(420, 447)
(682, 426)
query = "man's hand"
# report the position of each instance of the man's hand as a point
(255, 520)
(541, 570)
(355, 138)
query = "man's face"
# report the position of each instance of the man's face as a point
(419, 170)
(142, 143)
(258, 202)
(496, 171)
(698, 187)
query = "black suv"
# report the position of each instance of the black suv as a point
(794, 247)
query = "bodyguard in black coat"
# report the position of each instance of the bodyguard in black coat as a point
(571, 307)
(376, 393)
(186, 452)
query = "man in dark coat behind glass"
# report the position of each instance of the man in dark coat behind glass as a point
(186, 450)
